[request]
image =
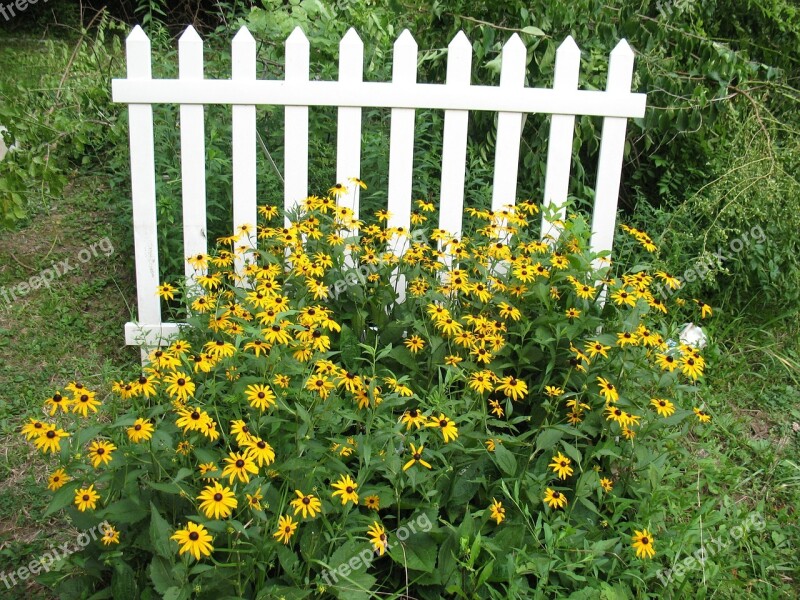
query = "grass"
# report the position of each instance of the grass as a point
(745, 463)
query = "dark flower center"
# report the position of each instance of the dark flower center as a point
(645, 541)
(194, 536)
(85, 497)
(349, 489)
(556, 495)
(306, 500)
(261, 394)
(181, 381)
(137, 427)
(142, 380)
(261, 445)
(417, 456)
(217, 497)
(51, 434)
(57, 398)
(84, 398)
(195, 415)
(239, 463)
(101, 450)
(443, 423)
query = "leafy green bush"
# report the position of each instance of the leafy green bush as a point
(502, 432)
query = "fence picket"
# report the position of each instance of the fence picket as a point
(562, 132)
(612, 150)
(143, 192)
(454, 148)
(193, 160)
(348, 134)
(296, 125)
(245, 209)
(509, 126)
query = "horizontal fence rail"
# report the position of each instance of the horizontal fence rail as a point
(298, 91)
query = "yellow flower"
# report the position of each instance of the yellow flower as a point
(554, 499)
(663, 407)
(140, 431)
(561, 466)
(50, 440)
(307, 504)
(482, 381)
(512, 387)
(607, 484)
(372, 502)
(608, 390)
(110, 535)
(346, 488)
(100, 452)
(448, 427)
(57, 479)
(83, 402)
(642, 542)
(239, 466)
(705, 309)
(413, 418)
(260, 396)
(595, 347)
(86, 498)
(181, 386)
(218, 502)
(378, 537)
(286, 529)
(553, 391)
(702, 415)
(415, 344)
(498, 512)
(416, 457)
(57, 401)
(195, 540)
(166, 291)
(259, 451)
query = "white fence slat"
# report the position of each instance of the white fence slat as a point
(243, 69)
(348, 133)
(509, 126)
(193, 160)
(143, 182)
(401, 154)
(296, 125)
(401, 140)
(381, 94)
(454, 149)
(612, 149)
(562, 132)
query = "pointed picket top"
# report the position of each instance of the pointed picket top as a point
(351, 57)
(568, 64)
(512, 67)
(138, 53)
(190, 54)
(620, 67)
(459, 59)
(297, 40)
(404, 60)
(243, 55)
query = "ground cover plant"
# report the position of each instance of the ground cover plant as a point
(523, 396)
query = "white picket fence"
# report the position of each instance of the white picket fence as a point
(511, 99)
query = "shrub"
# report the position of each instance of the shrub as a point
(501, 432)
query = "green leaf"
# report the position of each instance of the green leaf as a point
(547, 438)
(62, 498)
(123, 582)
(418, 553)
(160, 532)
(505, 459)
(161, 574)
(531, 30)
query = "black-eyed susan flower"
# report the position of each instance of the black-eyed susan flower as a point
(663, 407)
(497, 511)
(239, 465)
(608, 390)
(416, 457)
(33, 429)
(561, 466)
(414, 344)
(607, 484)
(705, 309)
(217, 501)
(378, 538)
(241, 430)
(554, 498)
(307, 504)
(482, 381)
(286, 529)
(50, 439)
(372, 502)
(642, 542)
(84, 401)
(691, 367)
(445, 425)
(512, 387)
(259, 451)
(702, 415)
(140, 431)
(207, 471)
(195, 540)
(144, 386)
(320, 384)
(412, 418)
(100, 452)
(346, 490)
(57, 479)
(110, 535)
(260, 396)
(86, 498)
(192, 419)
(595, 348)
(626, 338)
(180, 386)
(166, 291)
(254, 500)
(57, 401)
